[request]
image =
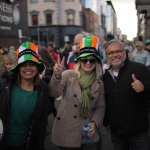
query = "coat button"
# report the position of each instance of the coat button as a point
(58, 118)
(92, 98)
(75, 116)
(75, 105)
(75, 95)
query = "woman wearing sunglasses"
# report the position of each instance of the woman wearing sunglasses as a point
(82, 98)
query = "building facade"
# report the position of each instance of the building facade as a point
(13, 23)
(143, 14)
(111, 20)
(56, 21)
(60, 20)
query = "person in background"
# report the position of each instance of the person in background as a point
(9, 61)
(24, 103)
(82, 98)
(140, 55)
(77, 39)
(147, 45)
(129, 48)
(66, 52)
(46, 75)
(56, 54)
(50, 50)
(127, 85)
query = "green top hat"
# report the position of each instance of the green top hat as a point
(28, 52)
(89, 46)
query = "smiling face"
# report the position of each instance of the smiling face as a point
(88, 63)
(28, 70)
(116, 55)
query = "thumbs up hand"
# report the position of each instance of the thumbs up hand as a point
(137, 85)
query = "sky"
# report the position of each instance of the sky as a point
(126, 17)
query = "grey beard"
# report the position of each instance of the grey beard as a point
(117, 66)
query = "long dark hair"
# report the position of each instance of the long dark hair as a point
(47, 59)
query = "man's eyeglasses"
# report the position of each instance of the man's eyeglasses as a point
(115, 52)
(91, 61)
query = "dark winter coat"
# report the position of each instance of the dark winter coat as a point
(126, 110)
(39, 122)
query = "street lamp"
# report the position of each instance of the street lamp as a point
(38, 34)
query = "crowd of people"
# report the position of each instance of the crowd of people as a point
(96, 83)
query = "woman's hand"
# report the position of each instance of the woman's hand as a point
(92, 130)
(59, 67)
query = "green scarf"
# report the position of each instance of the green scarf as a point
(85, 82)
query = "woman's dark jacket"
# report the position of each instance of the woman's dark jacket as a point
(126, 110)
(41, 112)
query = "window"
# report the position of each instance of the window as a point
(33, 1)
(48, 19)
(48, 16)
(34, 17)
(70, 19)
(70, 16)
(34, 20)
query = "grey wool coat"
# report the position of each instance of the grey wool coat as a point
(67, 127)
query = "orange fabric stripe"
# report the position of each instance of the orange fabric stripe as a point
(17, 51)
(33, 47)
(34, 58)
(94, 41)
(81, 44)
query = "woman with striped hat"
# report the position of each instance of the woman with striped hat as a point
(82, 98)
(24, 103)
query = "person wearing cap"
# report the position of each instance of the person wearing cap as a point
(24, 103)
(127, 85)
(82, 98)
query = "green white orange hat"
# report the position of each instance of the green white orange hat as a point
(28, 52)
(89, 46)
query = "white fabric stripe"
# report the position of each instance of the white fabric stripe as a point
(21, 48)
(97, 43)
(83, 42)
(21, 59)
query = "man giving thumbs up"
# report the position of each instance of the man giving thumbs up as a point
(127, 86)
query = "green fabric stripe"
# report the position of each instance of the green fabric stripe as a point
(26, 45)
(27, 57)
(88, 41)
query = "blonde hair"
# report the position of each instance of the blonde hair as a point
(78, 65)
(10, 57)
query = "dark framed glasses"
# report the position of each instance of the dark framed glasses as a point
(91, 61)
(119, 51)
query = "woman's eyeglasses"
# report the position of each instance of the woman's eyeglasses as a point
(91, 61)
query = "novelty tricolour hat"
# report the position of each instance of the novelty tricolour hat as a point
(89, 46)
(28, 52)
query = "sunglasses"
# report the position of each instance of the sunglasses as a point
(91, 61)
